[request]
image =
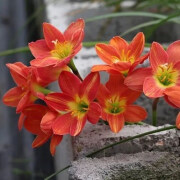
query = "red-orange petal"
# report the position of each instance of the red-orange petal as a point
(13, 96)
(40, 140)
(39, 49)
(107, 68)
(121, 66)
(158, 56)
(21, 121)
(48, 74)
(134, 113)
(106, 52)
(48, 61)
(103, 94)
(115, 84)
(19, 73)
(94, 112)
(173, 51)
(26, 100)
(69, 83)
(178, 121)
(118, 43)
(72, 28)
(34, 114)
(138, 61)
(169, 102)
(136, 79)
(89, 86)
(58, 101)
(116, 122)
(52, 34)
(131, 95)
(62, 124)
(77, 125)
(137, 45)
(47, 122)
(77, 38)
(173, 94)
(151, 89)
(55, 140)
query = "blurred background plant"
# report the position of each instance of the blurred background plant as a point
(162, 10)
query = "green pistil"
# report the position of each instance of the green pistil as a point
(82, 106)
(165, 79)
(166, 75)
(114, 108)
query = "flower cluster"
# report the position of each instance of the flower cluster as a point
(67, 111)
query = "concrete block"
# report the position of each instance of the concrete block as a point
(94, 137)
(139, 166)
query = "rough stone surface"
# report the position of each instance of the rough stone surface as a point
(139, 166)
(97, 136)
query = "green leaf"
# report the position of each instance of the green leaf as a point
(160, 23)
(149, 23)
(14, 51)
(130, 13)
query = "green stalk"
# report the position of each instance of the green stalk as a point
(74, 69)
(43, 90)
(14, 51)
(114, 144)
(25, 49)
(54, 174)
(154, 112)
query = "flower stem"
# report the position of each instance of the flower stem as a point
(154, 112)
(114, 144)
(74, 69)
(43, 90)
(54, 174)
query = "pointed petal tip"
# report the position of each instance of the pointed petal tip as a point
(141, 35)
(81, 20)
(45, 23)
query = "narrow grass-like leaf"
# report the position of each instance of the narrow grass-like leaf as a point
(130, 13)
(149, 23)
(14, 51)
(25, 49)
(160, 23)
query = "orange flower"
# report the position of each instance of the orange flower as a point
(35, 117)
(75, 103)
(163, 78)
(23, 94)
(178, 121)
(116, 102)
(119, 56)
(29, 81)
(57, 49)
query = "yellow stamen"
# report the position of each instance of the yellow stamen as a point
(115, 105)
(79, 106)
(166, 75)
(61, 50)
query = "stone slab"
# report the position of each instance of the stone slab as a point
(94, 137)
(139, 166)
